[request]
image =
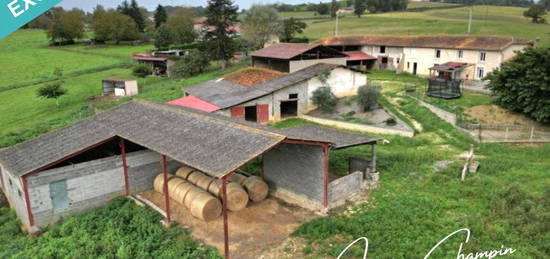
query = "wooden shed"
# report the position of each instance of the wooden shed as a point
(119, 87)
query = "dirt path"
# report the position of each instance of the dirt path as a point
(259, 227)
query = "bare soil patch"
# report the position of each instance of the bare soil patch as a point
(496, 114)
(251, 231)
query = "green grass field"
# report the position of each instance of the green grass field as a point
(487, 20)
(413, 5)
(26, 57)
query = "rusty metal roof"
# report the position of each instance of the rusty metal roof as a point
(252, 76)
(476, 42)
(284, 50)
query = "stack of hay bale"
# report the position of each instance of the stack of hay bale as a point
(196, 191)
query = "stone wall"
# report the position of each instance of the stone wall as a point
(13, 189)
(345, 189)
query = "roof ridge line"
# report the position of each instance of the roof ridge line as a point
(203, 116)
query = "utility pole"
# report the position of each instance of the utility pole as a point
(470, 20)
(336, 29)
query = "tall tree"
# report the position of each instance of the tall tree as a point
(180, 24)
(545, 4)
(260, 24)
(163, 37)
(322, 8)
(292, 26)
(523, 85)
(221, 15)
(160, 16)
(360, 7)
(65, 26)
(132, 9)
(112, 25)
(536, 13)
(334, 8)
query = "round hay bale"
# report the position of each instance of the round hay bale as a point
(238, 178)
(194, 177)
(256, 187)
(184, 172)
(173, 184)
(181, 192)
(237, 198)
(158, 183)
(204, 206)
(191, 195)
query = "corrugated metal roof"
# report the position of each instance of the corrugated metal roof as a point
(338, 139)
(225, 94)
(477, 42)
(284, 50)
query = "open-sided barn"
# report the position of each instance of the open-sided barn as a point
(121, 151)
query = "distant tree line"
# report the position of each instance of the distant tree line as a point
(522, 3)
(331, 8)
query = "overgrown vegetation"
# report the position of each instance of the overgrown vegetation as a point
(194, 63)
(324, 99)
(367, 97)
(142, 70)
(523, 85)
(119, 230)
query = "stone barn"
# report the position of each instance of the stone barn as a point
(261, 95)
(121, 151)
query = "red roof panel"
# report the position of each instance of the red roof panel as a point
(195, 103)
(358, 55)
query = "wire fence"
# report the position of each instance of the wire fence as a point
(492, 133)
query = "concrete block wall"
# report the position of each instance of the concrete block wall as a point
(345, 189)
(295, 174)
(14, 194)
(92, 184)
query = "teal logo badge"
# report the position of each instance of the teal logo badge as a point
(16, 13)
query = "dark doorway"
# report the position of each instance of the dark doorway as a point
(250, 113)
(289, 108)
(415, 67)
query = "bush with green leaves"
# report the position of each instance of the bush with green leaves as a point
(52, 91)
(367, 97)
(324, 99)
(523, 84)
(121, 229)
(192, 64)
(141, 70)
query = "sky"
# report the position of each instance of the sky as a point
(88, 5)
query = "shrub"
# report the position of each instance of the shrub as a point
(390, 121)
(192, 64)
(367, 97)
(141, 70)
(52, 91)
(324, 99)
(523, 85)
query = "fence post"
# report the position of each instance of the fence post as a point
(532, 133)
(479, 133)
(506, 136)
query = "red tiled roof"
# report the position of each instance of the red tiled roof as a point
(454, 64)
(284, 50)
(358, 55)
(195, 103)
(477, 42)
(252, 76)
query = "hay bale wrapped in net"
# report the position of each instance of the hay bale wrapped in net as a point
(201, 203)
(256, 187)
(237, 198)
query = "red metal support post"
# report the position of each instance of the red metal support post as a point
(27, 201)
(124, 166)
(166, 196)
(325, 176)
(225, 223)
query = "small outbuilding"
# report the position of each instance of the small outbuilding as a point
(261, 95)
(120, 87)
